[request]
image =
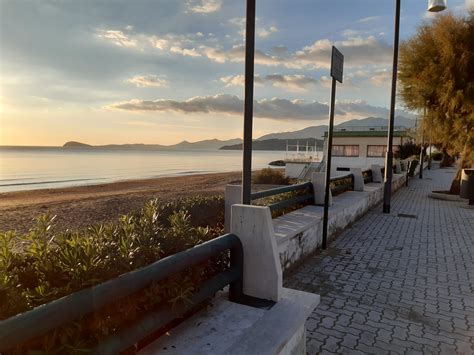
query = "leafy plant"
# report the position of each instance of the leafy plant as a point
(408, 149)
(271, 176)
(46, 264)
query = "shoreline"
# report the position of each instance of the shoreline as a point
(80, 206)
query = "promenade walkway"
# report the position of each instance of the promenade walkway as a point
(397, 283)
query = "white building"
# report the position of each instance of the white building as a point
(360, 147)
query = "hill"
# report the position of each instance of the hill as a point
(318, 131)
(211, 144)
(74, 144)
(278, 144)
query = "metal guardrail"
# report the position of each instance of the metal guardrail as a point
(26, 326)
(337, 188)
(309, 197)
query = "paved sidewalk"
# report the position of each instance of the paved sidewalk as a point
(397, 284)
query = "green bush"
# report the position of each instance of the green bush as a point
(44, 264)
(407, 150)
(437, 156)
(271, 176)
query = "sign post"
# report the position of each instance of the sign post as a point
(337, 66)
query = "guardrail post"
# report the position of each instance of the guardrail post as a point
(319, 182)
(232, 196)
(358, 179)
(262, 268)
(376, 173)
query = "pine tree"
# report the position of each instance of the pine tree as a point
(436, 73)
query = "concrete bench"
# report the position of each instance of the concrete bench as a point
(231, 328)
(299, 233)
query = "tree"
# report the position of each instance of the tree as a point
(436, 72)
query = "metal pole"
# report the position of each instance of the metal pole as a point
(248, 105)
(387, 191)
(422, 152)
(328, 166)
(429, 157)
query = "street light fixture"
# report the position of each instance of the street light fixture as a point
(433, 6)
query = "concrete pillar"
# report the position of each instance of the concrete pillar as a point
(233, 195)
(319, 181)
(262, 269)
(358, 179)
(398, 167)
(403, 165)
(376, 173)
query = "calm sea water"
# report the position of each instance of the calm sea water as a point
(30, 168)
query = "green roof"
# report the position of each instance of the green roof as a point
(365, 134)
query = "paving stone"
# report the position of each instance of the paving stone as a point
(408, 285)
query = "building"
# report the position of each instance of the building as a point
(360, 147)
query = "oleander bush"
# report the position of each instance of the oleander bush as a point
(271, 176)
(45, 264)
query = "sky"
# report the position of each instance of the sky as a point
(163, 71)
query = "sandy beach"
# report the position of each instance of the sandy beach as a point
(81, 206)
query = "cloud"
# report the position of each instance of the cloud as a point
(377, 77)
(204, 6)
(358, 51)
(275, 108)
(260, 31)
(294, 82)
(368, 19)
(119, 38)
(361, 108)
(381, 77)
(185, 52)
(265, 32)
(148, 81)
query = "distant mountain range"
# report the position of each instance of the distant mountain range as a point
(279, 144)
(208, 144)
(272, 141)
(318, 131)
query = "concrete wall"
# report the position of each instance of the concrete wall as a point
(299, 233)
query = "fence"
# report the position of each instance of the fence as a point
(26, 326)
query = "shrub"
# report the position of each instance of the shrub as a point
(437, 156)
(407, 150)
(271, 176)
(44, 264)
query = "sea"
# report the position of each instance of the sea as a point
(31, 168)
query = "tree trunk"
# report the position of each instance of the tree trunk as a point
(455, 188)
(447, 159)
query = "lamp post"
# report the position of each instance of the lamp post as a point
(429, 142)
(248, 104)
(422, 150)
(433, 6)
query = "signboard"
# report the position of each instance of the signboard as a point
(337, 64)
